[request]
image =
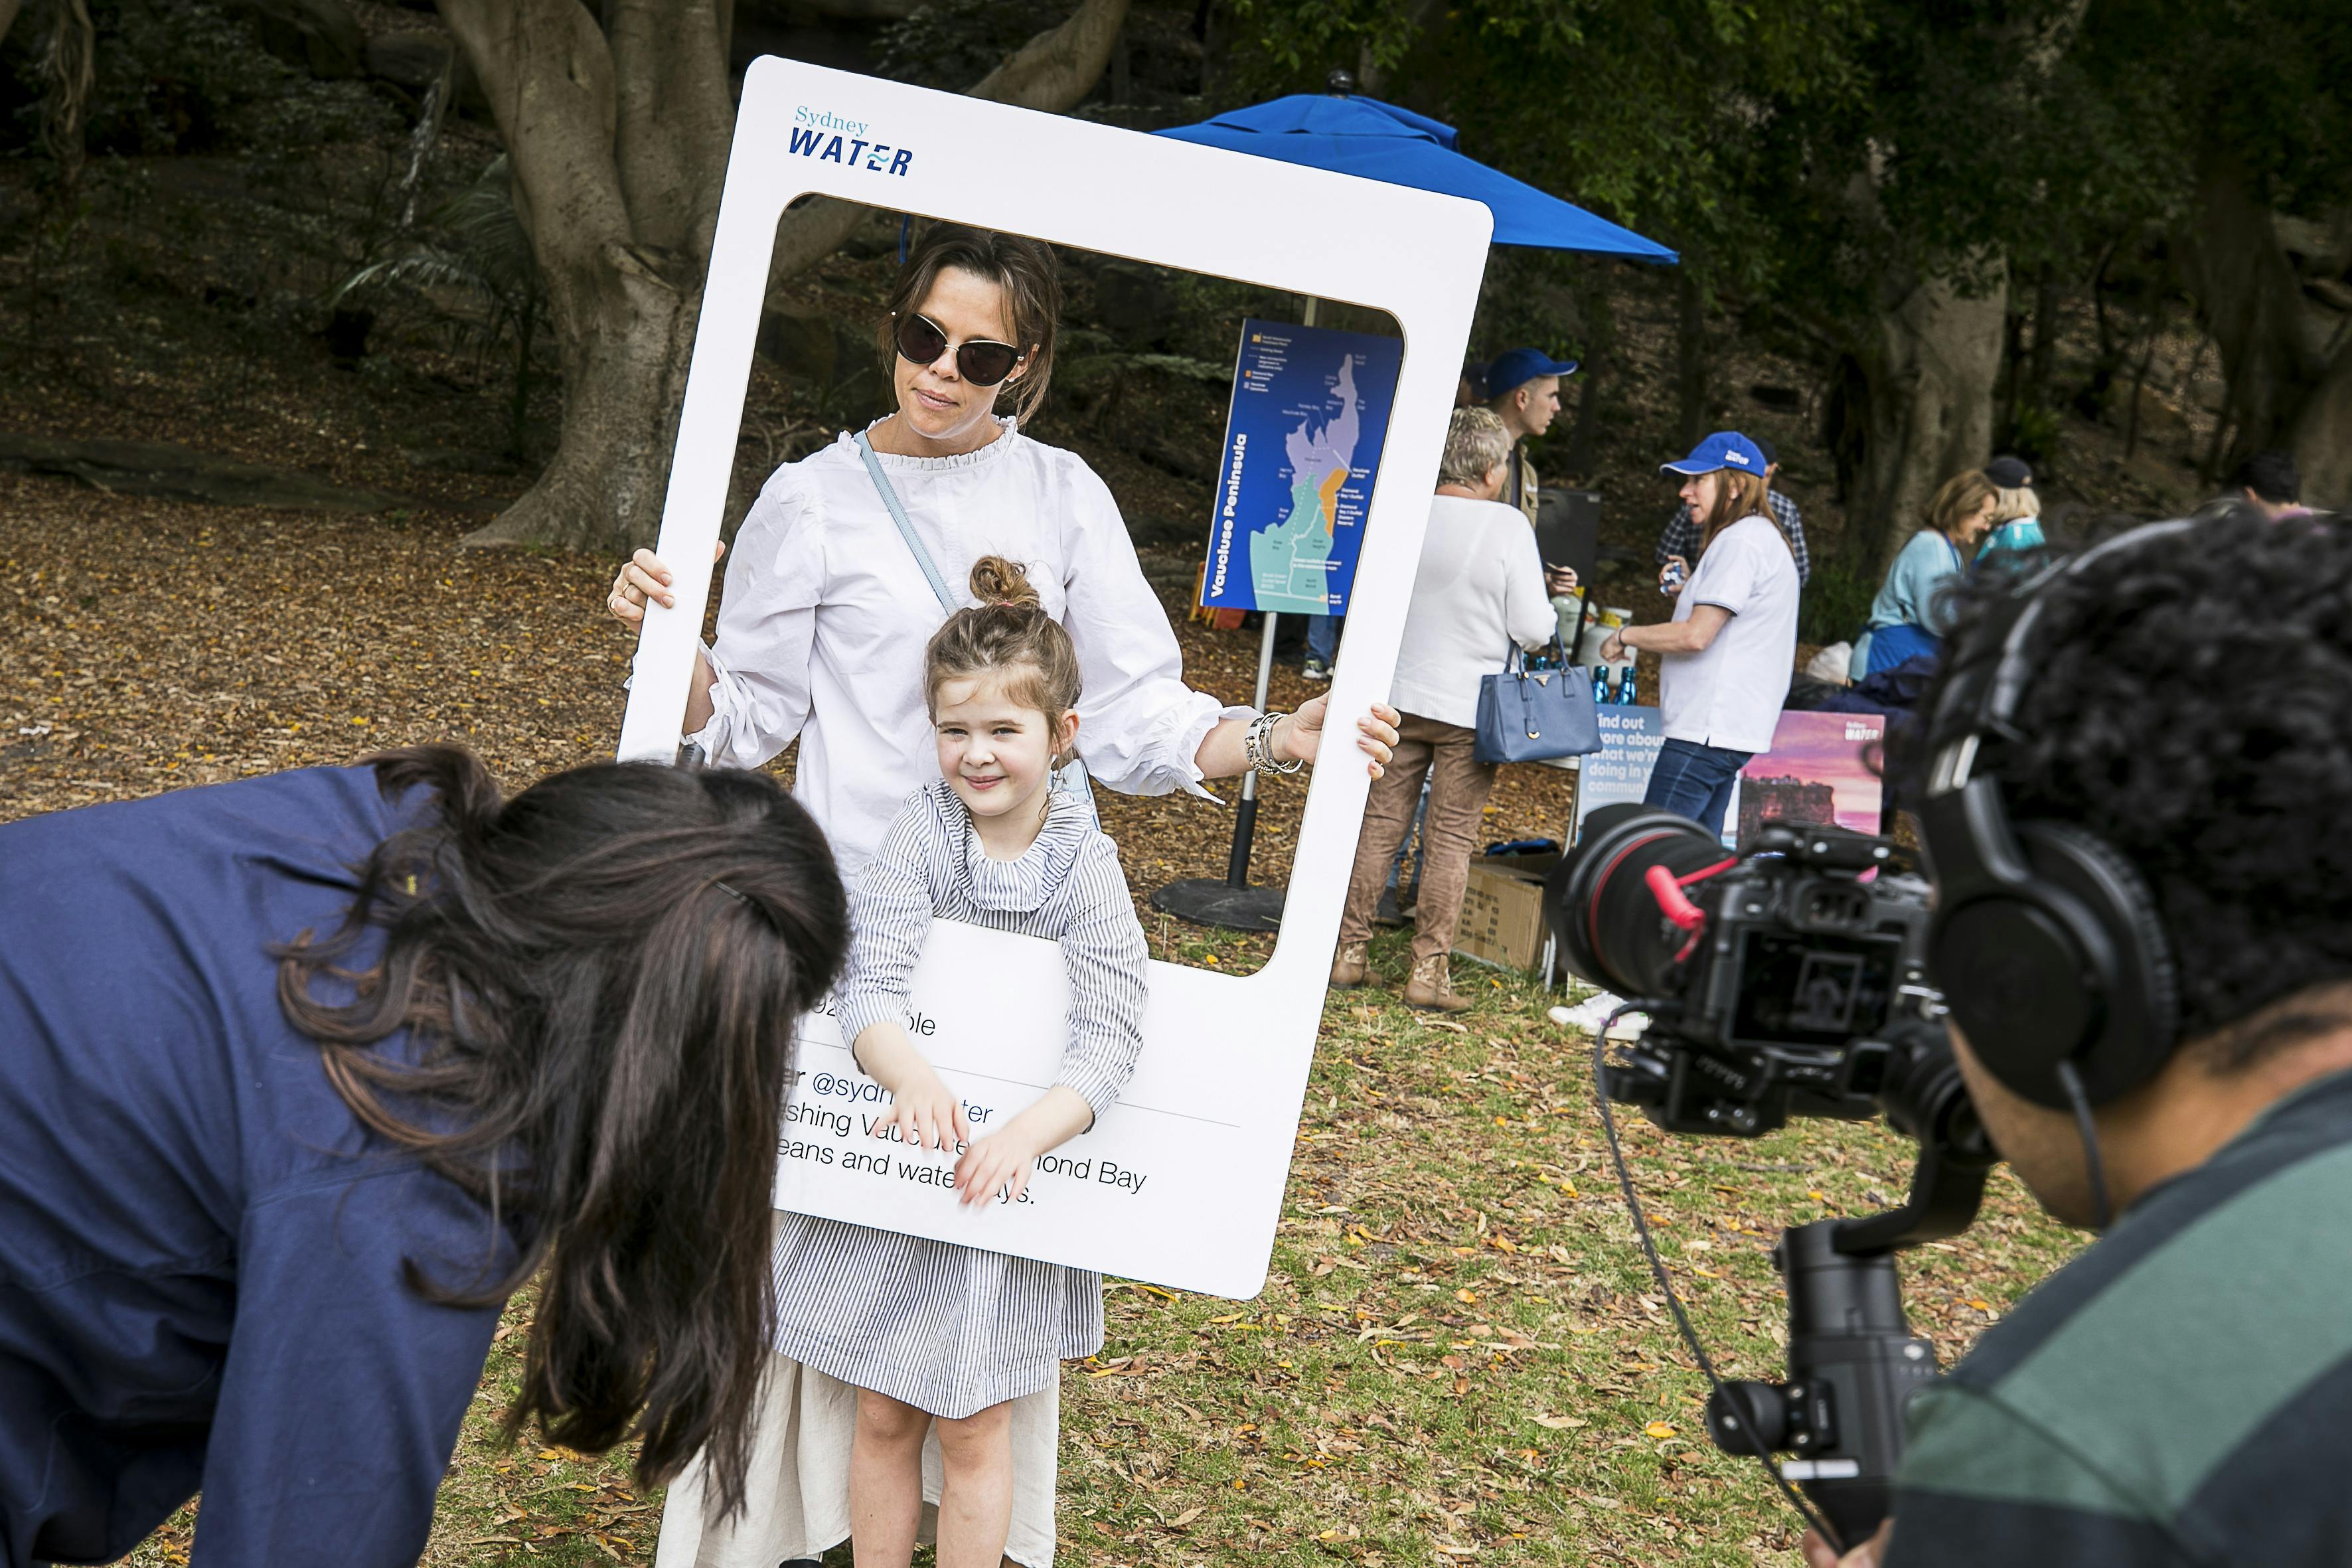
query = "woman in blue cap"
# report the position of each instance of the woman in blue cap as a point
(1726, 655)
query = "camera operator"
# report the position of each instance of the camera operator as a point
(2181, 1392)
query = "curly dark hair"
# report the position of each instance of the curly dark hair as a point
(2192, 704)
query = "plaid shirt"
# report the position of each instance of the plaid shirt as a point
(1683, 533)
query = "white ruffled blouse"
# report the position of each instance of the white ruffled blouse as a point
(821, 628)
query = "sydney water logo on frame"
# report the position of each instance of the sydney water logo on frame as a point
(823, 134)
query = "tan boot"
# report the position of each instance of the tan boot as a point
(1432, 987)
(1349, 968)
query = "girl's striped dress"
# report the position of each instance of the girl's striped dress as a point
(952, 1330)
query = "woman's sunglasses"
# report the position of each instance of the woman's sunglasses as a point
(977, 359)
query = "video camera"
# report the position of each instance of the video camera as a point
(1789, 980)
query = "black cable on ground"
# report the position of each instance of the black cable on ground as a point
(1674, 1298)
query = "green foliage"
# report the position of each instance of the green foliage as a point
(2033, 434)
(2257, 82)
(1836, 601)
(473, 245)
(185, 77)
(951, 44)
(476, 243)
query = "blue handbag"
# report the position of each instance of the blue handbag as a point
(1536, 715)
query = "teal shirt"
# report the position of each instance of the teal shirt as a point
(2018, 533)
(1908, 597)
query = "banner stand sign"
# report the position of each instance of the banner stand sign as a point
(1182, 1181)
(1303, 437)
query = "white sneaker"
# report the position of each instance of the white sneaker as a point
(1587, 1016)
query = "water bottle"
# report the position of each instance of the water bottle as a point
(1625, 697)
(1600, 684)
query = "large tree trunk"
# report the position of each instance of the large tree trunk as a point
(2323, 440)
(2286, 355)
(618, 148)
(1927, 376)
(618, 136)
(1692, 360)
(1597, 318)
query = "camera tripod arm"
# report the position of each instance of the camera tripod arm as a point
(1946, 1186)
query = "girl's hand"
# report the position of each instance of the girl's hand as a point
(925, 1113)
(642, 579)
(1672, 565)
(1300, 734)
(1559, 581)
(1613, 648)
(1000, 1162)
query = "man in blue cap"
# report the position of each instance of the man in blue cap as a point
(1523, 389)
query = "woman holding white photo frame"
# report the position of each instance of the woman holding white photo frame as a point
(837, 583)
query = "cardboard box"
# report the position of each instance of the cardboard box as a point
(1502, 919)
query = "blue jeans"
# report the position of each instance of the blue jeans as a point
(1323, 637)
(1694, 780)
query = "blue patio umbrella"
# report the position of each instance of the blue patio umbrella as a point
(1378, 140)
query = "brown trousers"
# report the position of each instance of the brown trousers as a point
(1458, 786)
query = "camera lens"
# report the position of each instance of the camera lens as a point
(1606, 921)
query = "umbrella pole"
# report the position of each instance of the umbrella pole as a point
(1234, 904)
(1245, 815)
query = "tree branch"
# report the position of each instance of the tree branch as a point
(1053, 72)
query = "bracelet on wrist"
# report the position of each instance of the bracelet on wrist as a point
(1258, 748)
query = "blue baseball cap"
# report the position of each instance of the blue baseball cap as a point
(1514, 370)
(1724, 449)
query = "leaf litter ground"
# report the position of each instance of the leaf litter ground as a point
(1459, 1356)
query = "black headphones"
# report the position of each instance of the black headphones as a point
(2045, 942)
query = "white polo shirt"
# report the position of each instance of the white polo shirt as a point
(1730, 695)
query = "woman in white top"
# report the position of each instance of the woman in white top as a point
(821, 636)
(1480, 587)
(1726, 655)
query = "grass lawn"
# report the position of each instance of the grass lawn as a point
(1459, 1354)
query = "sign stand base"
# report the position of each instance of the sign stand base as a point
(1232, 904)
(1205, 900)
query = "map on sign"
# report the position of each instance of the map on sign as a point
(1310, 408)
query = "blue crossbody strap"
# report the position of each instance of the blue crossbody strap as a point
(948, 601)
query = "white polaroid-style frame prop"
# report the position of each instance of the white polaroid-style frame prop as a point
(1182, 1181)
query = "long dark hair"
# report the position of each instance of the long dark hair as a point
(599, 977)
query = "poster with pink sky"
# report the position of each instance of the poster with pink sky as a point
(1818, 772)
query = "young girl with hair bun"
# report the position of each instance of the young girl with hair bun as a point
(935, 1336)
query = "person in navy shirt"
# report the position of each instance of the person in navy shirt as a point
(301, 1076)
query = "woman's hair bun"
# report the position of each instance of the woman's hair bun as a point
(996, 581)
